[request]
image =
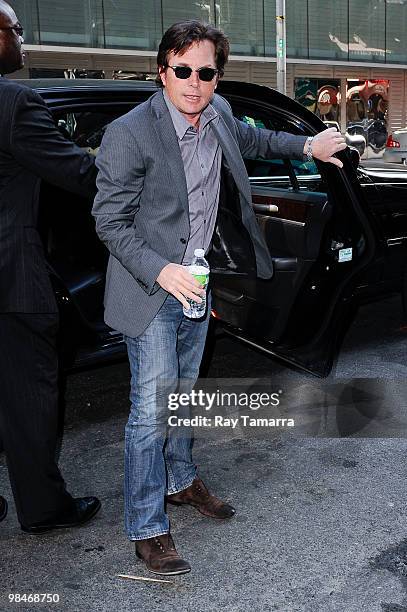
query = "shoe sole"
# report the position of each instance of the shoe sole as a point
(176, 573)
(179, 573)
(42, 530)
(3, 516)
(220, 518)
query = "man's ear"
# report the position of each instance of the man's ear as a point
(163, 75)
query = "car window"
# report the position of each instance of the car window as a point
(304, 168)
(274, 169)
(286, 174)
(254, 121)
(308, 176)
(87, 126)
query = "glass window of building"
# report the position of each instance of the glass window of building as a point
(26, 11)
(77, 23)
(328, 29)
(174, 11)
(396, 31)
(270, 29)
(367, 37)
(297, 28)
(132, 24)
(242, 21)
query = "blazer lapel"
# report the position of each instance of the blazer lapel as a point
(171, 153)
(232, 155)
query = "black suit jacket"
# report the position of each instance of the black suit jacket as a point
(31, 149)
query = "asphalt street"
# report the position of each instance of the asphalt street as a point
(321, 522)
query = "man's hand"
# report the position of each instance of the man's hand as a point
(180, 283)
(326, 144)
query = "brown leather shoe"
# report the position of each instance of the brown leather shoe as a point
(160, 556)
(198, 496)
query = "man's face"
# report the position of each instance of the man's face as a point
(190, 96)
(11, 52)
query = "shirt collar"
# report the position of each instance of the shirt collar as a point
(181, 125)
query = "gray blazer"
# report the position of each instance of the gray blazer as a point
(141, 209)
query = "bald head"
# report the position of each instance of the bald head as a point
(11, 53)
(6, 11)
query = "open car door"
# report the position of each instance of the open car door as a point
(319, 240)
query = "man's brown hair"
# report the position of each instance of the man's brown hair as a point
(180, 36)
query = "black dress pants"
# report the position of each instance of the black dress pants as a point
(29, 414)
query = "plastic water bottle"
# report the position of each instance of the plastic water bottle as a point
(200, 270)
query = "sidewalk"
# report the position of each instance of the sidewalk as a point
(314, 530)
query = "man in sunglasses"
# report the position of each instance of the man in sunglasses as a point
(31, 148)
(165, 169)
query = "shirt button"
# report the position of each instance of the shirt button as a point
(203, 193)
(183, 241)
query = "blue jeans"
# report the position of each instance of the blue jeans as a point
(158, 461)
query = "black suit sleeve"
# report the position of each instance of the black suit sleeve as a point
(38, 146)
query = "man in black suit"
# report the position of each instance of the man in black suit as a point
(31, 149)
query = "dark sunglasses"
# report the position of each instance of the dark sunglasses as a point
(184, 72)
(19, 30)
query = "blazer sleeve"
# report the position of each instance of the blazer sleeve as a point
(38, 146)
(120, 184)
(258, 142)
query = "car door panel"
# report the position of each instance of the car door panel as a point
(293, 234)
(296, 227)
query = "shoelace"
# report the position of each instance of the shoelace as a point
(159, 544)
(199, 489)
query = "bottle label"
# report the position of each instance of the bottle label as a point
(201, 278)
(201, 274)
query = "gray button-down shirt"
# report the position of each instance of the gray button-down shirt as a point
(202, 157)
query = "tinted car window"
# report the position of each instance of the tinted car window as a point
(308, 176)
(275, 169)
(288, 174)
(304, 168)
(87, 127)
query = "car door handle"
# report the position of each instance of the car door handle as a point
(265, 208)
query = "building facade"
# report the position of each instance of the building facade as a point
(346, 59)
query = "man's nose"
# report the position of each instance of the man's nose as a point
(194, 78)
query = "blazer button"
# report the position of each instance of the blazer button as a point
(183, 241)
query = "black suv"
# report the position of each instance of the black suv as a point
(337, 236)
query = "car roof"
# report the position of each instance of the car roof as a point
(110, 84)
(241, 91)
